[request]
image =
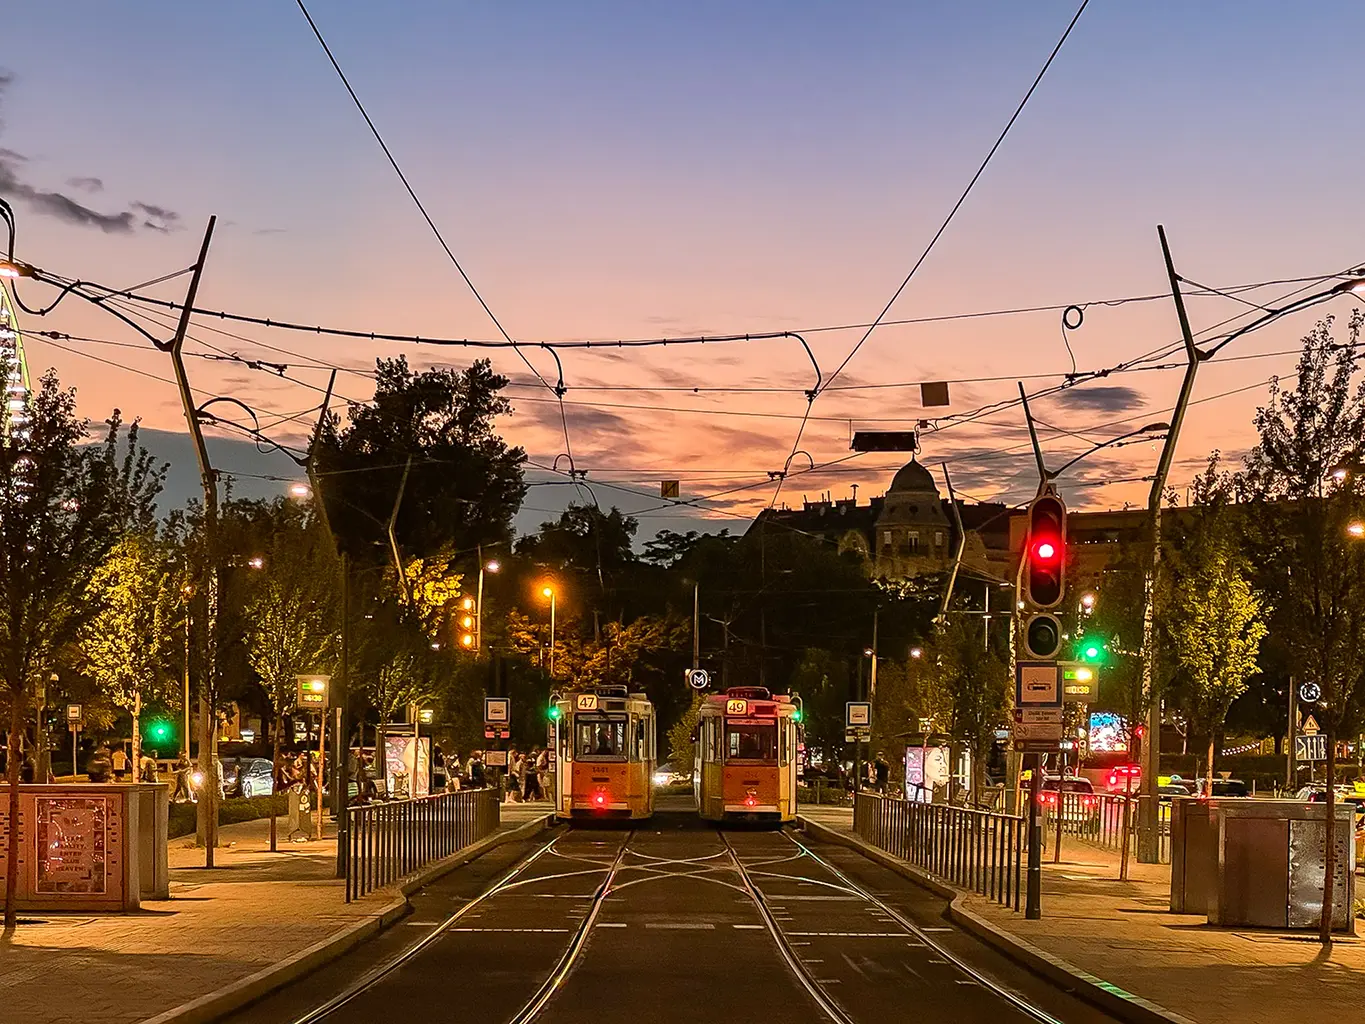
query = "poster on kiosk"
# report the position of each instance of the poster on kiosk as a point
(407, 766)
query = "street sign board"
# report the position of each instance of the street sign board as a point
(697, 678)
(858, 735)
(426, 716)
(495, 758)
(75, 713)
(586, 702)
(497, 709)
(1037, 684)
(856, 713)
(1310, 726)
(311, 694)
(1079, 683)
(490, 733)
(1037, 729)
(1310, 748)
(668, 488)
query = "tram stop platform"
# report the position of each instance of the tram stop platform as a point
(1099, 932)
(256, 915)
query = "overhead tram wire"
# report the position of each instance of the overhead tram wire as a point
(965, 192)
(556, 389)
(800, 431)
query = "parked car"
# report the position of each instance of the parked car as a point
(667, 775)
(1224, 788)
(1171, 790)
(248, 777)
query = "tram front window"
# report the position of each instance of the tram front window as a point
(751, 742)
(600, 739)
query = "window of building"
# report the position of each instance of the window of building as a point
(938, 539)
(914, 542)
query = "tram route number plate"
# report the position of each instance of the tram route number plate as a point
(586, 702)
(736, 706)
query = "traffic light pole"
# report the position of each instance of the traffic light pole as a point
(1149, 825)
(1033, 893)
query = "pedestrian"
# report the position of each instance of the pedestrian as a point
(101, 764)
(438, 768)
(146, 766)
(182, 780)
(475, 769)
(453, 771)
(882, 772)
(120, 762)
(516, 767)
(531, 781)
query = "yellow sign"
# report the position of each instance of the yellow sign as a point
(736, 707)
(586, 702)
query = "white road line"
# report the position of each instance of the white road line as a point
(853, 935)
(536, 930)
(611, 924)
(690, 926)
(754, 927)
(935, 929)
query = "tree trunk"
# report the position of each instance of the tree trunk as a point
(1329, 859)
(137, 739)
(16, 728)
(274, 778)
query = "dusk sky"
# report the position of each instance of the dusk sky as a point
(626, 170)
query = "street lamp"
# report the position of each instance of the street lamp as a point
(300, 490)
(256, 562)
(549, 591)
(493, 565)
(917, 652)
(1356, 529)
(1087, 602)
(1351, 286)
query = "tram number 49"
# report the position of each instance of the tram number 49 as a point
(736, 707)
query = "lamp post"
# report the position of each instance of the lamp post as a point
(491, 566)
(548, 591)
(187, 592)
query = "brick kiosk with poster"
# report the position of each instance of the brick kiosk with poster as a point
(78, 849)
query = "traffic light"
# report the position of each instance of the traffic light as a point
(1043, 636)
(1045, 552)
(1091, 650)
(159, 731)
(552, 712)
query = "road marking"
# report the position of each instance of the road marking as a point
(556, 930)
(755, 927)
(852, 935)
(935, 929)
(421, 924)
(697, 926)
(611, 924)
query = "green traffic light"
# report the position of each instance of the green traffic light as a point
(553, 712)
(1092, 650)
(797, 716)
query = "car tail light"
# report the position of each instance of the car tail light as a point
(1113, 780)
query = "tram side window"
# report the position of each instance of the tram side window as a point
(600, 740)
(712, 740)
(751, 742)
(784, 742)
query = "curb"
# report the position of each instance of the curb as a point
(213, 1005)
(1105, 995)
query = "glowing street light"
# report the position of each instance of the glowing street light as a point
(917, 652)
(1356, 529)
(549, 591)
(256, 562)
(300, 490)
(490, 566)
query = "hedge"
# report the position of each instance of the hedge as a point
(182, 820)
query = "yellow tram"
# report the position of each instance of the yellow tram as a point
(746, 760)
(604, 754)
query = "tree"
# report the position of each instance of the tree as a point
(1305, 482)
(464, 483)
(968, 691)
(292, 610)
(1217, 627)
(585, 538)
(127, 645)
(60, 513)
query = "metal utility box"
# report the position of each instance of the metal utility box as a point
(1260, 863)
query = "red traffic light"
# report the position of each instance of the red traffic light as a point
(1045, 553)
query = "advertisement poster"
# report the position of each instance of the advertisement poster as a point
(919, 783)
(407, 766)
(72, 841)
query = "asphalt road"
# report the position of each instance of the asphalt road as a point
(665, 923)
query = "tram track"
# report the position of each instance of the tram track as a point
(832, 1008)
(507, 883)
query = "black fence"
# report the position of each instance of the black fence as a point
(394, 838)
(978, 850)
(1098, 819)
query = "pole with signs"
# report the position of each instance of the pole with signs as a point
(75, 721)
(311, 695)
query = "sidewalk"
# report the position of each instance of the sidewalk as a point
(1122, 933)
(252, 911)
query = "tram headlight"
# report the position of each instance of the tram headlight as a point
(661, 778)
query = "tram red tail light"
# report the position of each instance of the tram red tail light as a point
(600, 799)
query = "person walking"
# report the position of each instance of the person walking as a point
(146, 766)
(882, 771)
(516, 768)
(120, 762)
(101, 764)
(531, 783)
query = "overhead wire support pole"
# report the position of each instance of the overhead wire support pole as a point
(1149, 838)
(1044, 477)
(393, 537)
(207, 811)
(961, 546)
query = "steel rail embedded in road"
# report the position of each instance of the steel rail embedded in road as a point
(1004, 992)
(816, 991)
(377, 974)
(570, 957)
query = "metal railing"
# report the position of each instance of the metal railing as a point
(978, 850)
(391, 839)
(1097, 819)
